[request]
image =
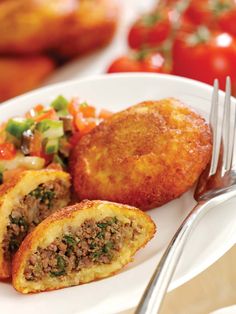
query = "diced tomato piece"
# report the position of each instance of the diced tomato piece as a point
(7, 151)
(39, 108)
(73, 106)
(104, 114)
(87, 110)
(36, 144)
(84, 125)
(32, 113)
(48, 113)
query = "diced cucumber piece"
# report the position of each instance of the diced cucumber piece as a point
(16, 126)
(62, 113)
(52, 146)
(60, 103)
(51, 128)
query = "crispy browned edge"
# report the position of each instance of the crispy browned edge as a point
(66, 212)
(5, 189)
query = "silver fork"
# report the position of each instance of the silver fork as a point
(217, 184)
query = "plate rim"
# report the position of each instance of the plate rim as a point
(106, 76)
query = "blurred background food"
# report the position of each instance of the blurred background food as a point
(57, 29)
(33, 26)
(20, 74)
(190, 38)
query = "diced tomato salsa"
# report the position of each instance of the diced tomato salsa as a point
(47, 134)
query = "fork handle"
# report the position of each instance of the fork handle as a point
(153, 296)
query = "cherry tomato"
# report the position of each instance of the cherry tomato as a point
(207, 12)
(154, 62)
(150, 30)
(227, 22)
(205, 56)
(7, 151)
(186, 25)
(124, 64)
(140, 62)
(198, 12)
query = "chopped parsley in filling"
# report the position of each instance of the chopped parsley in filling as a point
(92, 243)
(30, 211)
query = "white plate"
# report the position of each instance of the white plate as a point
(215, 234)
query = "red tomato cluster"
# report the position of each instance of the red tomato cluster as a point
(195, 39)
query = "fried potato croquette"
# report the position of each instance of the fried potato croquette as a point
(19, 75)
(79, 244)
(93, 26)
(144, 156)
(25, 201)
(33, 26)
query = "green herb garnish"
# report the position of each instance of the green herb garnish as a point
(100, 235)
(69, 240)
(107, 247)
(44, 196)
(97, 254)
(19, 221)
(61, 265)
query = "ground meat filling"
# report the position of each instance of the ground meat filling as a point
(30, 211)
(92, 243)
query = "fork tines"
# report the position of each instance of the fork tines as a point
(223, 133)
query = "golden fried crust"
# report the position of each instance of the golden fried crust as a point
(144, 156)
(74, 216)
(13, 190)
(93, 26)
(19, 75)
(33, 26)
